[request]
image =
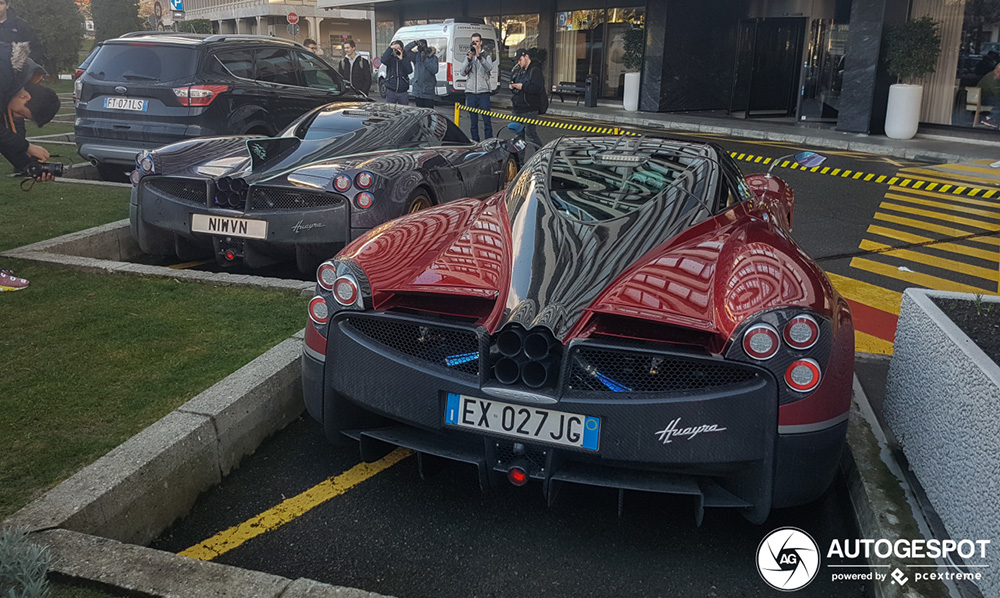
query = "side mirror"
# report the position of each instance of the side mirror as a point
(515, 146)
(803, 159)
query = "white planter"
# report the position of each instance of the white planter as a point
(632, 91)
(903, 112)
(941, 403)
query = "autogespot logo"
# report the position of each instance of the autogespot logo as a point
(788, 559)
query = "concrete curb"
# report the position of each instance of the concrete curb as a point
(105, 248)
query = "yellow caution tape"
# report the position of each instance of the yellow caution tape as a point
(548, 123)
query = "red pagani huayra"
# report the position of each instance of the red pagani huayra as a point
(630, 313)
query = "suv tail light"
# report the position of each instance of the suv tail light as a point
(199, 95)
(78, 86)
(77, 72)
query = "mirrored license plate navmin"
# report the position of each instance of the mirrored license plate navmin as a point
(126, 104)
(233, 227)
(527, 423)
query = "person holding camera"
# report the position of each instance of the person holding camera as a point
(528, 86)
(398, 66)
(477, 68)
(425, 69)
(355, 68)
(24, 99)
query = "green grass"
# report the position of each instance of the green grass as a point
(59, 85)
(88, 360)
(51, 128)
(53, 209)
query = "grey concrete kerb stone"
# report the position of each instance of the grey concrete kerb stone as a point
(942, 400)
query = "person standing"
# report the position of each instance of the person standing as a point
(425, 69)
(477, 68)
(355, 68)
(528, 87)
(313, 47)
(397, 74)
(14, 29)
(990, 86)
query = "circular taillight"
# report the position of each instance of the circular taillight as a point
(364, 180)
(342, 183)
(326, 275)
(802, 375)
(146, 163)
(345, 291)
(364, 199)
(761, 341)
(801, 332)
(135, 177)
(318, 310)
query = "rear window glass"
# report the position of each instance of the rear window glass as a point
(143, 62)
(325, 124)
(598, 180)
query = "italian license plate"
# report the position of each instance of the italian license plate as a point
(126, 104)
(518, 421)
(233, 227)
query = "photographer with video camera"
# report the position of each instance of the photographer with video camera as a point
(477, 68)
(24, 98)
(398, 66)
(425, 69)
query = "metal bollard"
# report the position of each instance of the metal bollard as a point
(590, 94)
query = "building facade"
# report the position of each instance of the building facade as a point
(807, 60)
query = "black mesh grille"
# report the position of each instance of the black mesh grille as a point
(265, 198)
(190, 190)
(453, 350)
(624, 371)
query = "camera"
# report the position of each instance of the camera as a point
(36, 169)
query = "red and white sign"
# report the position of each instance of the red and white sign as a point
(293, 18)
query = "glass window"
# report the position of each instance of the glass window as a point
(318, 75)
(133, 62)
(237, 63)
(276, 65)
(977, 85)
(516, 32)
(443, 132)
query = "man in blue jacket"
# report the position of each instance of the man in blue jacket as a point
(398, 67)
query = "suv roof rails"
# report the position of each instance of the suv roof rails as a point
(218, 37)
(156, 33)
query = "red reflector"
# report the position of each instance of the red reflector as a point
(450, 78)
(760, 341)
(802, 375)
(517, 475)
(230, 255)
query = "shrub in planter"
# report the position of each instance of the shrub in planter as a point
(912, 50)
(22, 566)
(635, 39)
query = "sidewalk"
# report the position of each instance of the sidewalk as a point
(948, 145)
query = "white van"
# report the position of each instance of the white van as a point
(451, 39)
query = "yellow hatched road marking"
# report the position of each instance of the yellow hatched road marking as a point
(983, 254)
(935, 228)
(866, 293)
(866, 343)
(917, 278)
(291, 508)
(939, 216)
(929, 260)
(944, 206)
(928, 192)
(939, 176)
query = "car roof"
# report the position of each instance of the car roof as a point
(194, 39)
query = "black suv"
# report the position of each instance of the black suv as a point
(145, 90)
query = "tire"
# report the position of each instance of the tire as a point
(381, 87)
(419, 200)
(114, 173)
(510, 170)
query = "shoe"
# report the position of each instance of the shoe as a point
(9, 282)
(988, 122)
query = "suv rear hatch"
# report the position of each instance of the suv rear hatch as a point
(127, 92)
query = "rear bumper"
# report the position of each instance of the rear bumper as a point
(737, 460)
(94, 143)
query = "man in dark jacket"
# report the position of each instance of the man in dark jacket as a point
(425, 69)
(528, 86)
(398, 67)
(15, 29)
(355, 68)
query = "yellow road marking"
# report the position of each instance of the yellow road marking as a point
(869, 294)
(866, 343)
(917, 278)
(187, 265)
(934, 228)
(939, 216)
(989, 274)
(983, 254)
(291, 508)
(992, 205)
(942, 177)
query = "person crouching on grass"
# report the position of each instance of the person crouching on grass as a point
(23, 98)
